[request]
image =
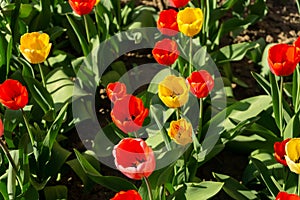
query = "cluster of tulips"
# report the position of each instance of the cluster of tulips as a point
(132, 155)
(283, 60)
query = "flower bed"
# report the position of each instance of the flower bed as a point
(167, 117)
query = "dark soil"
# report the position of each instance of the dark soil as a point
(280, 25)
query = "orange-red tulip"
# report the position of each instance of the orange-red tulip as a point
(165, 52)
(82, 7)
(167, 22)
(13, 94)
(279, 150)
(283, 59)
(116, 91)
(129, 113)
(178, 3)
(128, 195)
(134, 158)
(201, 83)
(287, 196)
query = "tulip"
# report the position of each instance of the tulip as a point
(13, 94)
(283, 59)
(165, 52)
(190, 21)
(181, 131)
(129, 113)
(167, 22)
(134, 158)
(201, 83)
(35, 47)
(279, 149)
(297, 45)
(128, 195)
(292, 150)
(287, 196)
(82, 7)
(115, 91)
(173, 91)
(1, 128)
(178, 3)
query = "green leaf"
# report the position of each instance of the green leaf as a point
(277, 104)
(58, 157)
(58, 192)
(3, 190)
(76, 167)
(111, 182)
(234, 52)
(41, 96)
(60, 87)
(266, 177)
(43, 19)
(296, 90)
(199, 191)
(81, 38)
(234, 188)
(262, 82)
(55, 128)
(292, 128)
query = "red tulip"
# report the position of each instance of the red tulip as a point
(165, 52)
(129, 113)
(287, 196)
(13, 94)
(178, 3)
(297, 45)
(115, 91)
(1, 128)
(201, 83)
(279, 149)
(82, 7)
(167, 22)
(128, 195)
(134, 158)
(283, 59)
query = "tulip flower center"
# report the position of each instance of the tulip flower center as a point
(137, 162)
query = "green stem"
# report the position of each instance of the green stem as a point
(191, 56)
(42, 75)
(11, 162)
(86, 28)
(178, 113)
(281, 119)
(30, 135)
(148, 188)
(200, 118)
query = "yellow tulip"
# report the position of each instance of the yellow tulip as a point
(181, 132)
(190, 21)
(97, 1)
(173, 91)
(292, 149)
(35, 47)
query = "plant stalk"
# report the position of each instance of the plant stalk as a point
(148, 188)
(86, 28)
(200, 118)
(42, 75)
(281, 118)
(11, 162)
(191, 56)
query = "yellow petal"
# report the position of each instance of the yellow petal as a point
(294, 167)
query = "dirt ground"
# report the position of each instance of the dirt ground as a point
(282, 24)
